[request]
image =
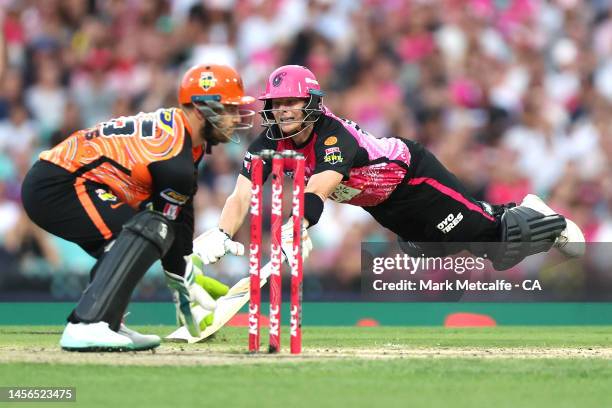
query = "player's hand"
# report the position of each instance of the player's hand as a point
(287, 241)
(213, 244)
(187, 294)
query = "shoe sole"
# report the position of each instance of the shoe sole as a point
(109, 349)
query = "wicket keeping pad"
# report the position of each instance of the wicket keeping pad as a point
(144, 239)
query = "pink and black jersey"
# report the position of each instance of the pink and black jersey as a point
(399, 182)
(372, 167)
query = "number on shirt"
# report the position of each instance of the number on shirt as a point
(126, 127)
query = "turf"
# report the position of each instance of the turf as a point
(555, 381)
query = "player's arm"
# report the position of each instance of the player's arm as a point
(319, 187)
(174, 185)
(173, 188)
(236, 206)
(215, 243)
(335, 150)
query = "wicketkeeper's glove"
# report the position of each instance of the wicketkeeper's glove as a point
(188, 293)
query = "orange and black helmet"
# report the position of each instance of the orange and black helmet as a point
(212, 82)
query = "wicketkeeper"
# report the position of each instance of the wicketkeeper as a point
(399, 182)
(123, 190)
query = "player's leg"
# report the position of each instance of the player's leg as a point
(433, 206)
(87, 214)
(109, 214)
(144, 239)
(533, 227)
(73, 208)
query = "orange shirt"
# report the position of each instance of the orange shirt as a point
(116, 153)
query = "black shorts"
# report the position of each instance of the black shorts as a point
(431, 205)
(73, 208)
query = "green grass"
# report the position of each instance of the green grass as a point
(347, 337)
(402, 382)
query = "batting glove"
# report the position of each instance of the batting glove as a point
(214, 244)
(287, 241)
(187, 294)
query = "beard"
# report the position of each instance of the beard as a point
(212, 135)
(204, 135)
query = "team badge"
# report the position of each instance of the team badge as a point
(278, 79)
(174, 197)
(330, 141)
(106, 195)
(333, 155)
(171, 211)
(207, 80)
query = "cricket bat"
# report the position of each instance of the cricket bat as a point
(227, 307)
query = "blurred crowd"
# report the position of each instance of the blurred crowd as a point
(510, 95)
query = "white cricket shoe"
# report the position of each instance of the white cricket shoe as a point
(93, 337)
(140, 341)
(570, 241)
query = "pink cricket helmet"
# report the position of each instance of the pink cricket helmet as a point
(291, 81)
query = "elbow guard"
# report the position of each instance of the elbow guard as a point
(313, 207)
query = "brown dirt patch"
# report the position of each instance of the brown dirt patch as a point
(171, 354)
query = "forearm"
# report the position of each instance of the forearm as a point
(319, 187)
(233, 214)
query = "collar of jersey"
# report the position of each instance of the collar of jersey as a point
(303, 145)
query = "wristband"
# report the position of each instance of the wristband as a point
(313, 207)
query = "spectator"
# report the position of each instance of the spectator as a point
(514, 96)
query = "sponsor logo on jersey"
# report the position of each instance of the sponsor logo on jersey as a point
(332, 150)
(449, 222)
(344, 193)
(174, 197)
(333, 158)
(166, 120)
(207, 80)
(106, 195)
(171, 211)
(330, 141)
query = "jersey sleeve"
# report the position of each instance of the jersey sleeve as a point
(259, 144)
(335, 150)
(174, 185)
